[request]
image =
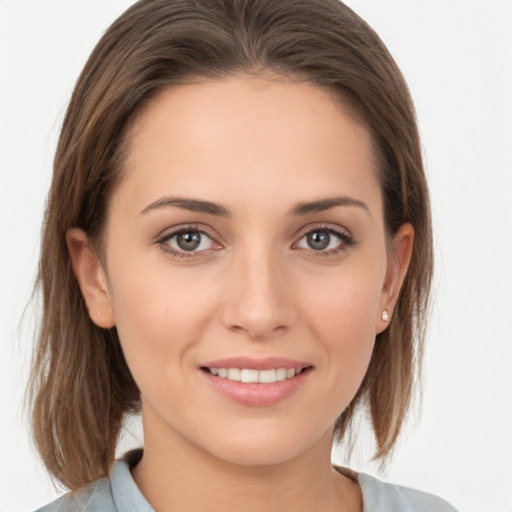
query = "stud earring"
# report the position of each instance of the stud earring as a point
(385, 315)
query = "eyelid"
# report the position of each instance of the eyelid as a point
(169, 233)
(323, 226)
(347, 240)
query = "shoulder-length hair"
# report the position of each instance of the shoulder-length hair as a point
(81, 388)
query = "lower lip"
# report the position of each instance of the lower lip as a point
(255, 394)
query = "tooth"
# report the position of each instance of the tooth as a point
(234, 374)
(281, 374)
(249, 375)
(267, 376)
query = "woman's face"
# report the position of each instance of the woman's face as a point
(246, 241)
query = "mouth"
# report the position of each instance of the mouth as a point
(251, 375)
(256, 382)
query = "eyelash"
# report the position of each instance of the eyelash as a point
(346, 241)
(163, 242)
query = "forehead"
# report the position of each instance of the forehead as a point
(243, 136)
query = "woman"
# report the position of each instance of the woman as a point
(237, 244)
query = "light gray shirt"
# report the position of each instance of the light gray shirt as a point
(119, 493)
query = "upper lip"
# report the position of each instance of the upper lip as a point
(251, 363)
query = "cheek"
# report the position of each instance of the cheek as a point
(341, 314)
(159, 315)
(345, 303)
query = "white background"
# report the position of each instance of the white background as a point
(457, 58)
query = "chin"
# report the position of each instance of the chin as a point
(261, 447)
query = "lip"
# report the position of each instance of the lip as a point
(257, 394)
(267, 363)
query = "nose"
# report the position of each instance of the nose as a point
(259, 297)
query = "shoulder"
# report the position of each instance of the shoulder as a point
(94, 498)
(381, 496)
(117, 493)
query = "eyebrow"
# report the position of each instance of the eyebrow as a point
(300, 209)
(326, 204)
(193, 205)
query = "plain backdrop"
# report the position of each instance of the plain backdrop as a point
(457, 58)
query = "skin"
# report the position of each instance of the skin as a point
(255, 287)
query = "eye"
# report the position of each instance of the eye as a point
(325, 240)
(187, 240)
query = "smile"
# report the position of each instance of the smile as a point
(256, 382)
(248, 375)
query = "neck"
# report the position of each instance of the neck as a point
(175, 475)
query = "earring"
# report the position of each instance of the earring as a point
(385, 315)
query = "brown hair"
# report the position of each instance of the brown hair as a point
(81, 387)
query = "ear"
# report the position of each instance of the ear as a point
(91, 278)
(398, 265)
